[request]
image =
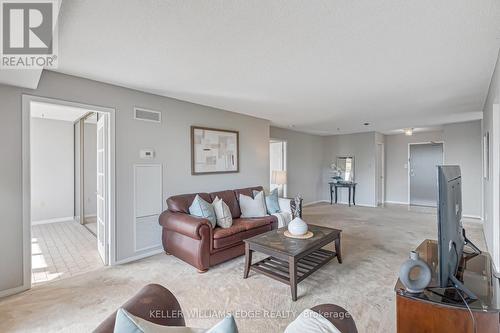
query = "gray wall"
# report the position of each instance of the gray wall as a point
(462, 146)
(170, 139)
(396, 163)
(362, 147)
(51, 169)
(305, 163)
(490, 226)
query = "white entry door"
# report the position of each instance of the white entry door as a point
(102, 186)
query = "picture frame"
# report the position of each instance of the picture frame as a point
(214, 151)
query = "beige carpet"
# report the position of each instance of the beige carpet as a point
(375, 242)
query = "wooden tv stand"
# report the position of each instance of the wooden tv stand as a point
(438, 309)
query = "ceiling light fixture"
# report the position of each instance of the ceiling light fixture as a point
(408, 131)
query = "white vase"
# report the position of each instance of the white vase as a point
(297, 227)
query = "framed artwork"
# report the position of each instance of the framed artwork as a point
(486, 155)
(214, 151)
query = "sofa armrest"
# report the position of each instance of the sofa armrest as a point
(153, 303)
(184, 224)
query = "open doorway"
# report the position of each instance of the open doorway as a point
(68, 193)
(85, 133)
(278, 174)
(423, 160)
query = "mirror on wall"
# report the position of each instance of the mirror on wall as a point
(345, 165)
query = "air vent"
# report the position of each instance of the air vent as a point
(147, 115)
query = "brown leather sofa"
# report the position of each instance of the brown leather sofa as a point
(193, 239)
(158, 305)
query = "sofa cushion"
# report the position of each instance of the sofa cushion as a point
(253, 207)
(229, 197)
(247, 191)
(272, 201)
(240, 230)
(181, 203)
(223, 213)
(204, 209)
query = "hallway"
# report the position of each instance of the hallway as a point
(61, 250)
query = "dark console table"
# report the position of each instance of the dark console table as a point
(442, 309)
(334, 189)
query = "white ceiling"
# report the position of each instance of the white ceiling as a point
(56, 112)
(323, 67)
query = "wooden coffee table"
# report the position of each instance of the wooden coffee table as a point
(291, 260)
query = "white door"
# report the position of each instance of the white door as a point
(424, 159)
(102, 186)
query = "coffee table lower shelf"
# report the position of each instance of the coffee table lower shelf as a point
(279, 270)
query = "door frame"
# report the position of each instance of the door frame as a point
(382, 172)
(26, 179)
(284, 158)
(408, 161)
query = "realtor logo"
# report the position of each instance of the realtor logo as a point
(29, 37)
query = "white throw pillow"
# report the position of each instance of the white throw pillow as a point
(253, 207)
(128, 323)
(222, 212)
(283, 218)
(311, 322)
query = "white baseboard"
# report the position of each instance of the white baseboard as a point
(396, 202)
(314, 202)
(12, 291)
(93, 215)
(352, 205)
(140, 256)
(474, 217)
(58, 219)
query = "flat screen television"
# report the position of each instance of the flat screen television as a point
(451, 235)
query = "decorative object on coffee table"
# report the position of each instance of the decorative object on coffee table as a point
(290, 260)
(419, 283)
(297, 228)
(297, 207)
(307, 235)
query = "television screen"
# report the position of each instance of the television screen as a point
(450, 234)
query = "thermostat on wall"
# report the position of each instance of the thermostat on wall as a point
(147, 154)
